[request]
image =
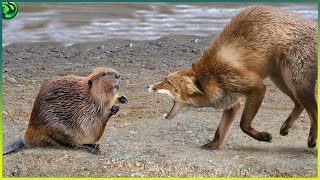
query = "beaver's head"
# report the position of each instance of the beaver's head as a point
(104, 82)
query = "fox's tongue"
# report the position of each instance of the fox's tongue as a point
(177, 106)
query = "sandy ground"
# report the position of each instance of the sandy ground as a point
(138, 141)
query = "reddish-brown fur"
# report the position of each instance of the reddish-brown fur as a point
(258, 42)
(73, 111)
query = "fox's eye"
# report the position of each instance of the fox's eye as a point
(165, 81)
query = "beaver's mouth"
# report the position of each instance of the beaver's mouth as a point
(177, 106)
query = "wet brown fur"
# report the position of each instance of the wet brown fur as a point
(258, 42)
(72, 111)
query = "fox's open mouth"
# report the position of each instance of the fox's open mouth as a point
(169, 113)
(177, 106)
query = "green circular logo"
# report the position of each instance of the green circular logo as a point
(9, 10)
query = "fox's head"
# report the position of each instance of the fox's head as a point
(183, 87)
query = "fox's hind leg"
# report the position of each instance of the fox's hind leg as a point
(277, 79)
(228, 117)
(308, 101)
(300, 73)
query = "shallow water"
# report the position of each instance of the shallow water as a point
(81, 22)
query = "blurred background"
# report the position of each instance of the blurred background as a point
(82, 22)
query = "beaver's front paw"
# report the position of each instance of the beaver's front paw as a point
(122, 99)
(114, 109)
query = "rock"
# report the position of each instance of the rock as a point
(12, 80)
(4, 113)
(129, 45)
(133, 132)
(196, 40)
(6, 70)
(208, 129)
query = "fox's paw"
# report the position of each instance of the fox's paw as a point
(122, 99)
(264, 136)
(114, 109)
(284, 130)
(312, 142)
(211, 145)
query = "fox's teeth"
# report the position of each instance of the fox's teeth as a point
(177, 106)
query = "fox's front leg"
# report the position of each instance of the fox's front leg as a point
(227, 119)
(253, 103)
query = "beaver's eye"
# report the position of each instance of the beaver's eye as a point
(165, 80)
(103, 74)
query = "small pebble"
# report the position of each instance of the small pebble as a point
(12, 80)
(4, 113)
(132, 132)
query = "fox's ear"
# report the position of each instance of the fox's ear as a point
(194, 86)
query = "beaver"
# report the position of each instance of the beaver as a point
(72, 112)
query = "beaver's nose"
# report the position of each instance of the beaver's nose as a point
(148, 87)
(117, 76)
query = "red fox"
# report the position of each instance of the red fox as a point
(258, 42)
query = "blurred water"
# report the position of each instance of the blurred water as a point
(80, 22)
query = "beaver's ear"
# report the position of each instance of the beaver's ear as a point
(194, 86)
(90, 84)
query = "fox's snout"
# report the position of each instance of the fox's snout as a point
(151, 88)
